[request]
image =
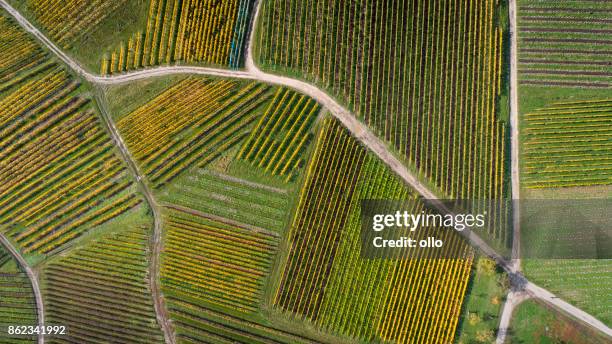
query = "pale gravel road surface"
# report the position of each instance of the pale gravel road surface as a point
(514, 299)
(514, 139)
(357, 128)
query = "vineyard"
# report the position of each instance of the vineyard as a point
(426, 76)
(327, 281)
(230, 198)
(52, 145)
(209, 32)
(190, 124)
(584, 283)
(283, 132)
(16, 297)
(565, 44)
(208, 264)
(100, 291)
(67, 21)
(568, 144)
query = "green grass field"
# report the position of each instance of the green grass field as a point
(535, 323)
(483, 303)
(584, 283)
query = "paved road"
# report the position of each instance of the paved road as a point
(357, 128)
(154, 261)
(33, 276)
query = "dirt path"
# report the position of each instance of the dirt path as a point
(513, 300)
(514, 139)
(155, 245)
(33, 276)
(357, 128)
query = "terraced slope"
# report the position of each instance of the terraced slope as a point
(100, 291)
(326, 280)
(17, 304)
(52, 145)
(566, 43)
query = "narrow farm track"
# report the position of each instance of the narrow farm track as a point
(357, 128)
(33, 276)
(514, 139)
(513, 300)
(154, 265)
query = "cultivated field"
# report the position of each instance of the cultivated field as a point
(190, 124)
(194, 31)
(99, 289)
(425, 75)
(585, 283)
(568, 144)
(68, 21)
(210, 268)
(566, 43)
(17, 303)
(326, 280)
(230, 197)
(52, 144)
(281, 134)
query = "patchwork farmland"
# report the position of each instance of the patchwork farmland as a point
(564, 76)
(52, 145)
(326, 281)
(425, 76)
(565, 44)
(281, 134)
(66, 22)
(148, 198)
(99, 291)
(190, 124)
(209, 264)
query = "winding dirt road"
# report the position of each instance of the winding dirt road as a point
(357, 128)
